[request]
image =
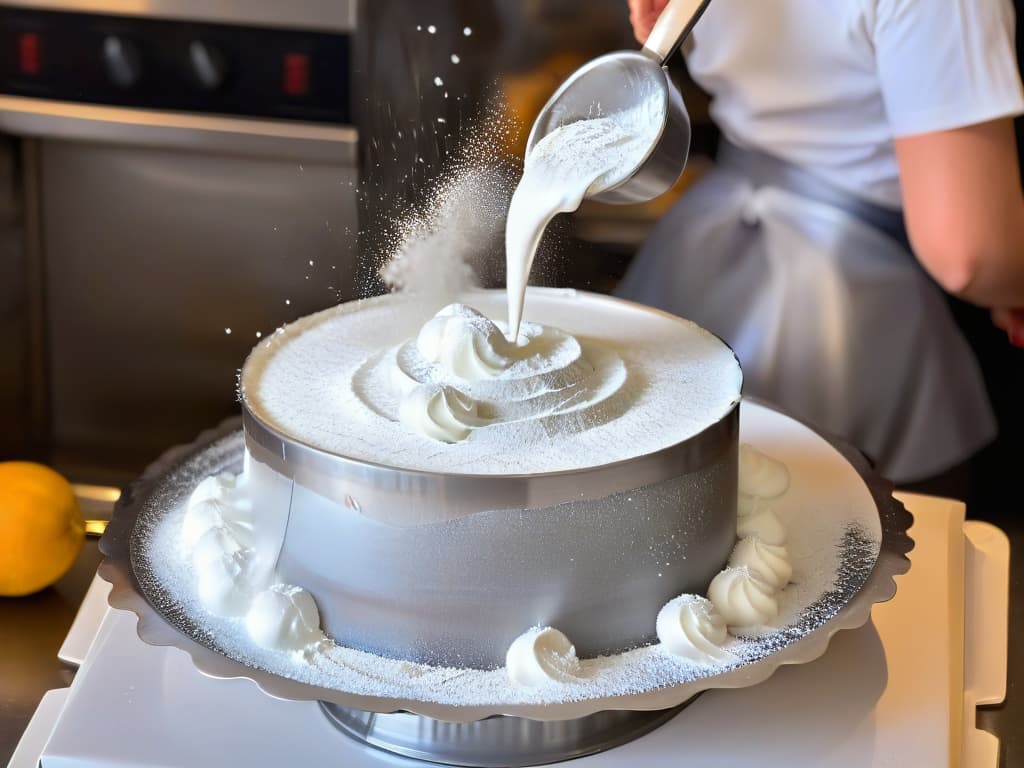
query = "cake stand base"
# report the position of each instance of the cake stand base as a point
(497, 742)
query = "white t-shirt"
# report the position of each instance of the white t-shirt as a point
(828, 84)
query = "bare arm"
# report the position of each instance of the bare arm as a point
(963, 203)
(642, 15)
(1011, 321)
(965, 210)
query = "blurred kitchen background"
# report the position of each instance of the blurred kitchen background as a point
(180, 177)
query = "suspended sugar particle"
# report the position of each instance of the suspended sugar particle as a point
(227, 331)
(455, 58)
(259, 334)
(438, 82)
(419, 27)
(431, 29)
(311, 262)
(441, 120)
(467, 31)
(287, 301)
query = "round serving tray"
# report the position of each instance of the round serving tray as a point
(161, 621)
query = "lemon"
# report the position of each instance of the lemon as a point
(41, 527)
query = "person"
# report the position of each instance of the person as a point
(856, 135)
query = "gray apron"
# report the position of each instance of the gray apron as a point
(826, 308)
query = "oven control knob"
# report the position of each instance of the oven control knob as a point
(208, 65)
(123, 61)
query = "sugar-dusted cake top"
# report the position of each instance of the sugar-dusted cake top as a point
(590, 381)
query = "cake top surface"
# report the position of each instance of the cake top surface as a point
(590, 381)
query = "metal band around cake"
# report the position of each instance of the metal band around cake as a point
(406, 497)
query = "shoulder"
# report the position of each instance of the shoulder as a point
(945, 64)
(952, 14)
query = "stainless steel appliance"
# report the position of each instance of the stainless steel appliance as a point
(185, 179)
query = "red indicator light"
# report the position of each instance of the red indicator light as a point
(30, 58)
(296, 74)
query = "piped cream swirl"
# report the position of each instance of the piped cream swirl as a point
(214, 504)
(227, 580)
(768, 562)
(284, 617)
(691, 627)
(460, 374)
(465, 344)
(217, 532)
(218, 536)
(540, 656)
(440, 412)
(764, 524)
(761, 476)
(742, 598)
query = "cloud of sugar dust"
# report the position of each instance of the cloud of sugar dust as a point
(457, 241)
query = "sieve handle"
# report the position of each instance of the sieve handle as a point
(674, 24)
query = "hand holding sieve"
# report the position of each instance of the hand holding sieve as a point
(618, 81)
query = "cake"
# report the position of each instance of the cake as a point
(438, 491)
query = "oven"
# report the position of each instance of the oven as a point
(177, 180)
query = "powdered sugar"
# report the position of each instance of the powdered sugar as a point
(433, 252)
(646, 381)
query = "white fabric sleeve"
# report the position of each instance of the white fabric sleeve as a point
(946, 64)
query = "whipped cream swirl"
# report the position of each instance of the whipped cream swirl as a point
(761, 476)
(540, 656)
(691, 627)
(213, 504)
(763, 524)
(460, 374)
(217, 531)
(440, 412)
(284, 618)
(768, 562)
(743, 599)
(227, 573)
(465, 344)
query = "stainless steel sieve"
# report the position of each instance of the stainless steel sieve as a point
(622, 80)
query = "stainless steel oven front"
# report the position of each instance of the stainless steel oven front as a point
(188, 181)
